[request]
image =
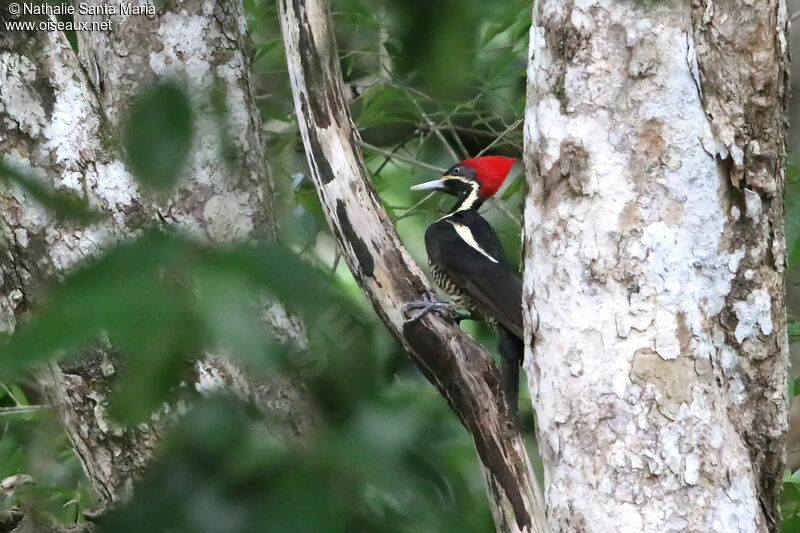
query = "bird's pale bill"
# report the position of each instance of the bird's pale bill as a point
(429, 185)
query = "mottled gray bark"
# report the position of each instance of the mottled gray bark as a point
(461, 370)
(654, 261)
(205, 44)
(63, 126)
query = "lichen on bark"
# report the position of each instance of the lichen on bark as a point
(62, 126)
(654, 262)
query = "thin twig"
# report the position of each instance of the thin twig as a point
(401, 157)
(307, 246)
(385, 59)
(498, 138)
(410, 211)
(10, 394)
(336, 259)
(474, 131)
(436, 130)
(21, 409)
(387, 159)
(500, 206)
(457, 137)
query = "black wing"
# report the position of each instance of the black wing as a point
(487, 278)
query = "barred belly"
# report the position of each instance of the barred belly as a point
(459, 297)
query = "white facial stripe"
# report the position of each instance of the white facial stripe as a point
(459, 178)
(470, 200)
(466, 234)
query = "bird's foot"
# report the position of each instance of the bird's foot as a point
(427, 306)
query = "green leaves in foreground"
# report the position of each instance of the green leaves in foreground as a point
(389, 468)
(62, 205)
(790, 503)
(792, 206)
(158, 136)
(160, 300)
(394, 461)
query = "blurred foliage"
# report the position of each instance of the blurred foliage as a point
(62, 204)
(790, 499)
(34, 448)
(383, 468)
(158, 135)
(792, 208)
(162, 299)
(384, 456)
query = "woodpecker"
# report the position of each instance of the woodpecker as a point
(468, 263)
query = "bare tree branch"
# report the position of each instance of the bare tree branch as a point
(461, 370)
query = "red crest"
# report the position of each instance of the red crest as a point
(492, 171)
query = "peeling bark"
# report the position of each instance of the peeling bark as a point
(654, 260)
(461, 370)
(60, 124)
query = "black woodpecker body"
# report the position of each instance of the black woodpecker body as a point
(467, 260)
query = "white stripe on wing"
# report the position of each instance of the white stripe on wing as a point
(466, 235)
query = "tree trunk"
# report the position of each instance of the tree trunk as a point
(654, 261)
(62, 125)
(461, 370)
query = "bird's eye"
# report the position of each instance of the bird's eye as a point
(456, 170)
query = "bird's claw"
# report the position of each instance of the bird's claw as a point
(427, 306)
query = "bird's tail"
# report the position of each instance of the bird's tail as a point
(511, 351)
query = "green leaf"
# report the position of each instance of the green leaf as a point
(516, 185)
(121, 294)
(793, 328)
(227, 310)
(500, 64)
(384, 104)
(266, 47)
(161, 300)
(62, 204)
(158, 135)
(790, 524)
(18, 394)
(792, 205)
(392, 48)
(789, 477)
(493, 31)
